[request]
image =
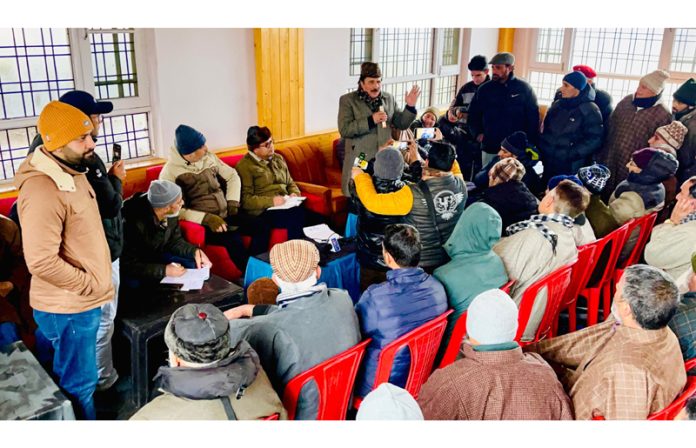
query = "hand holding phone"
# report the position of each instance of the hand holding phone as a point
(115, 153)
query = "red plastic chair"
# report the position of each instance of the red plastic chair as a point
(274, 416)
(582, 269)
(677, 405)
(423, 343)
(645, 224)
(556, 284)
(602, 288)
(459, 331)
(335, 379)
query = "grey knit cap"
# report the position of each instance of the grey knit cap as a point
(389, 164)
(163, 193)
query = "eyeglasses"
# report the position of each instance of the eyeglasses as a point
(267, 144)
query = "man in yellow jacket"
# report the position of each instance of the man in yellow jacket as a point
(65, 249)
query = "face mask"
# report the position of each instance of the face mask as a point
(615, 313)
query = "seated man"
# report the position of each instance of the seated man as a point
(594, 178)
(266, 182)
(630, 365)
(15, 313)
(389, 402)
(212, 374)
(582, 230)
(672, 242)
(408, 299)
(473, 266)
(515, 146)
(201, 174)
(310, 323)
(542, 244)
(507, 194)
(433, 205)
(683, 324)
(494, 380)
(153, 244)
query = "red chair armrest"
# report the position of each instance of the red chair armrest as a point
(192, 232)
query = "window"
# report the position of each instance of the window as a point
(424, 56)
(620, 56)
(39, 65)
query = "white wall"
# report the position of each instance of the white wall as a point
(327, 51)
(204, 78)
(483, 41)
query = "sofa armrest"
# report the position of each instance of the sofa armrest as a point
(318, 198)
(193, 233)
(333, 176)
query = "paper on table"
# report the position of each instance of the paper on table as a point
(319, 233)
(290, 202)
(192, 279)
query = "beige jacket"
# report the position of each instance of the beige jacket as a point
(629, 205)
(616, 371)
(63, 239)
(528, 257)
(200, 185)
(671, 246)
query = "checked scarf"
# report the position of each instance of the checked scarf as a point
(372, 103)
(688, 218)
(537, 222)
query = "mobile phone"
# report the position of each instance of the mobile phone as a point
(400, 145)
(115, 153)
(425, 133)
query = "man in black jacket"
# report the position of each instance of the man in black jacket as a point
(502, 106)
(602, 98)
(108, 187)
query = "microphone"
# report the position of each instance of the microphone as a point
(384, 123)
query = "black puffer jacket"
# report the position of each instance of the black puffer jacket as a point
(531, 179)
(512, 200)
(573, 133)
(371, 226)
(436, 214)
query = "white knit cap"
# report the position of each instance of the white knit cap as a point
(492, 318)
(655, 81)
(389, 402)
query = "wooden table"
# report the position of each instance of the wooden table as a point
(147, 310)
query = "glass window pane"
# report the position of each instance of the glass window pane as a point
(130, 131)
(684, 50)
(114, 64)
(405, 51)
(550, 45)
(446, 90)
(545, 85)
(14, 144)
(450, 49)
(398, 91)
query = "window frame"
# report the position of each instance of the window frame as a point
(437, 69)
(664, 59)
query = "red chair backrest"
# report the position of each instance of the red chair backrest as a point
(645, 224)
(334, 377)
(580, 275)
(459, 331)
(232, 160)
(6, 205)
(305, 162)
(423, 343)
(677, 405)
(152, 173)
(616, 238)
(556, 284)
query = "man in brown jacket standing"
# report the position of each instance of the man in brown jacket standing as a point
(65, 249)
(631, 365)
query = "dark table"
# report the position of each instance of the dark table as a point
(145, 314)
(27, 392)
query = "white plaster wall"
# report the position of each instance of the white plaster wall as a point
(204, 78)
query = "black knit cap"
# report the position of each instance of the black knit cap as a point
(478, 63)
(686, 93)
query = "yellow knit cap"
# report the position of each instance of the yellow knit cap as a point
(61, 123)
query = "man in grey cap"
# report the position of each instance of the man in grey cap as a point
(212, 374)
(154, 246)
(502, 106)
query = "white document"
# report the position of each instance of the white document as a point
(192, 279)
(320, 233)
(290, 202)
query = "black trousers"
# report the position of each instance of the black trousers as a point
(259, 227)
(232, 242)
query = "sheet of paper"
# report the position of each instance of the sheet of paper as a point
(290, 202)
(192, 279)
(319, 233)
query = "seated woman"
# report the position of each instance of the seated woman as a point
(266, 183)
(507, 194)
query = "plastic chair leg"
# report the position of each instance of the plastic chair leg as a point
(606, 293)
(593, 297)
(572, 318)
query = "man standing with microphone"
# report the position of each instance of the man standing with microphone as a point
(365, 117)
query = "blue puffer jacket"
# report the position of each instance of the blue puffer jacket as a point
(408, 299)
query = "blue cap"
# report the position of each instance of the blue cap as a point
(86, 103)
(188, 139)
(576, 79)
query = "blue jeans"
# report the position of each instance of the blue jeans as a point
(74, 341)
(8, 333)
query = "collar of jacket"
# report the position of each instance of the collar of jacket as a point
(260, 161)
(689, 113)
(406, 275)
(284, 300)
(503, 356)
(60, 174)
(496, 347)
(639, 335)
(231, 375)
